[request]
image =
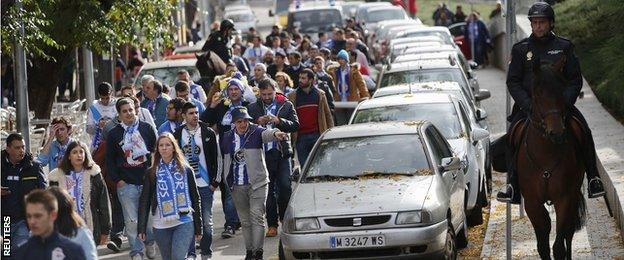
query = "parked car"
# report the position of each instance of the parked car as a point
(457, 30)
(466, 65)
(369, 18)
(350, 8)
(450, 116)
(377, 191)
(360, 14)
(243, 20)
(314, 19)
(167, 70)
(377, 40)
(195, 48)
(439, 31)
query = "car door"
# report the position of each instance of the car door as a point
(453, 180)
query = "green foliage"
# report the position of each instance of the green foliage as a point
(65, 24)
(596, 30)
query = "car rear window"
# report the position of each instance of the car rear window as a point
(169, 75)
(419, 76)
(317, 20)
(375, 16)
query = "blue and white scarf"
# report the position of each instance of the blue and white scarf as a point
(270, 110)
(191, 152)
(172, 191)
(227, 117)
(97, 137)
(133, 144)
(343, 84)
(74, 188)
(61, 152)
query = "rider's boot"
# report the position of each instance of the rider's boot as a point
(511, 193)
(595, 188)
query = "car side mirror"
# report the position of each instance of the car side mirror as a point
(479, 134)
(450, 164)
(482, 94)
(473, 65)
(481, 114)
(271, 14)
(296, 175)
(459, 43)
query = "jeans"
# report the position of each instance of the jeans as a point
(129, 198)
(279, 188)
(305, 143)
(250, 205)
(229, 210)
(174, 241)
(19, 234)
(206, 196)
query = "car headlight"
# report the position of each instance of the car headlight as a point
(306, 224)
(412, 217)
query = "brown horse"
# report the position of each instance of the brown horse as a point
(549, 162)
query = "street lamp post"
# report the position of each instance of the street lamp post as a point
(510, 16)
(21, 81)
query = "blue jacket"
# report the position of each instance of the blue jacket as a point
(40, 249)
(160, 109)
(20, 179)
(116, 163)
(51, 159)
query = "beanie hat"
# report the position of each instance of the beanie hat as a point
(342, 54)
(237, 83)
(237, 75)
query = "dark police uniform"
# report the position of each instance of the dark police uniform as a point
(53, 247)
(218, 43)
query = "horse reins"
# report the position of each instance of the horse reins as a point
(541, 126)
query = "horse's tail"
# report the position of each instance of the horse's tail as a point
(581, 214)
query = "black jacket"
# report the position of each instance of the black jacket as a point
(520, 76)
(211, 150)
(212, 116)
(326, 83)
(148, 204)
(289, 122)
(217, 42)
(40, 249)
(294, 73)
(272, 70)
(20, 179)
(116, 164)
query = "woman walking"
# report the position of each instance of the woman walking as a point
(173, 204)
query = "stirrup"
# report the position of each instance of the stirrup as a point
(506, 199)
(597, 194)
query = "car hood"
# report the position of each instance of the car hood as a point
(382, 194)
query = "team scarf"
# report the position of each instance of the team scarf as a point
(97, 137)
(74, 188)
(192, 153)
(133, 144)
(272, 111)
(61, 152)
(343, 92)
(172, 191)
(227, 118)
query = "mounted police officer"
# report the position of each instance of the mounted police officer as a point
(545, 45)
(218, 41)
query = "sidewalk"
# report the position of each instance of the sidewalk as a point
(600, 238)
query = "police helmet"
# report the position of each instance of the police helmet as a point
(542, 9)
(226, 24)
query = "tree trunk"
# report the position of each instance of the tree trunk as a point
(43, 79)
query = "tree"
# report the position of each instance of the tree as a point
(54, 28)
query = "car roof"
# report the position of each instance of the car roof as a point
(383, 7)
(373, 4)
(236, 7)
(169, 63)
(374, 129)
(429, 29)
(406, 99)
(396, 21)
(190, 49)
(238, 11)
(314, 6)
(425, 56)
(417, 44)
(408, 88)
(429, 38)
(420, 65)
(428, 49)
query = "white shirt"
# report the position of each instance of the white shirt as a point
(108, 111)
(254, 54)
(202, 158)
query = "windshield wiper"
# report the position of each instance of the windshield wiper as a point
(372, 174)
(328, 177)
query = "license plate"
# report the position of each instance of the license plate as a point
(357, 241)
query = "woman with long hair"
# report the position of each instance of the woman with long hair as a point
(284, 83)
(69, 224)
(82, 179)
(173, 204)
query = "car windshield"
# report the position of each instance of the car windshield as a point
(442, 115)
(241, 17)
(360, 156)
(441, 35)
(375, 16)
(419, 76)
(169, 75)
(316, 20)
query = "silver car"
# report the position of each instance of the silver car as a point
(377, 191)
(452, 118)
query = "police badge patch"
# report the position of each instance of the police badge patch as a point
(529, 55)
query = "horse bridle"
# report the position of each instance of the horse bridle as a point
(541, 127)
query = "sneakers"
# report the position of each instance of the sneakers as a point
(227, 233)
(509, 195)
(249, 255)
(271, 232)
(258, 255)
(595, 188)
(150, 251)
(206, 257)
(114, 244)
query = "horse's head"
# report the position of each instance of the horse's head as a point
(549, 109)
(202, 64)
